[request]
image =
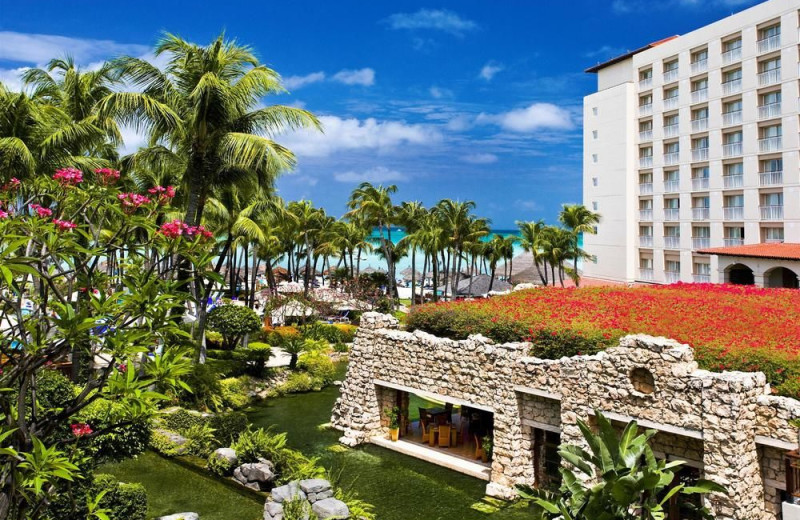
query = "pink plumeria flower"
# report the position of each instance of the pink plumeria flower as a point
(64, 225)
(107, 176)
(41, 210)
(68, 176)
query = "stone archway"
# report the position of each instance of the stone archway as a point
(739, 274)
(781, 277)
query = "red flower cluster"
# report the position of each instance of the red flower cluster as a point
(131, 201)
(64, 225)
(81, 429)
(41, 210)
(68, 176)
(3, 213)
(177, 227)
(12, 185)
(164, 194)
(107, 176)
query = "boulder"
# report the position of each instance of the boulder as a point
(180, 516)
(258, 472)
(226, 454)
(330, 508)
(273, 511)
(288, 492)
(314, 485)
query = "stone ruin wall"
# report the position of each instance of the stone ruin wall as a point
(709, 419)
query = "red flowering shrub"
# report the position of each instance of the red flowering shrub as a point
(68, 176)
(730, 327)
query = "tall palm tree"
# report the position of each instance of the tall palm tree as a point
(308, 223)
(531, 238)
(456, 219)
(411, 215)
(578, 219)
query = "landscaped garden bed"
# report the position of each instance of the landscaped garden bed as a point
(729, 327)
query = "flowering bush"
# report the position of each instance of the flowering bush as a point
(730, 327)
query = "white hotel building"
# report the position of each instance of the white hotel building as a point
(691, 155)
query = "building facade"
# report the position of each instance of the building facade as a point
(691, 144)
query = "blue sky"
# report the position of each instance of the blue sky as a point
(477, 100)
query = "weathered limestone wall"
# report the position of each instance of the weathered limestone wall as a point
(713, 420)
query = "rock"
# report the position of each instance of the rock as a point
(314, 485)
(288, 492)
(330, 508)
(322, 495)
(226, 454)
(257, 472)
(240, 478)
(273, 511)
(180, 516)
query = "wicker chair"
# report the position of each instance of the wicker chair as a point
(444, 436)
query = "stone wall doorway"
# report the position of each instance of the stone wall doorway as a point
(546, 460)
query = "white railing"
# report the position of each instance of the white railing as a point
(698, 125)
(672, 186)
(671, 102)
(700, 213)
(769, 111)
(671, 158)
(701, 278)
(733, 213)
(672, 130)
(670, 75)
(646, 162)
(645, 83)
(672, 242)
(771, 212)
(770, 178)
(732, 118)
(733, 181)
(645, 240)
(773, 241)
(672, 276)
(701, 242)
(769, 77)
(731, 149)
(645, 188)
(769, 44)
(646, 110)
(700, 183)
(700, 154)
(672, 214)
(699, 66)
(770, 144)
(731, 87)
(733, 242)
(645, 136)
(732, 56)
(699, 95)
(646, 274)
(646, 214)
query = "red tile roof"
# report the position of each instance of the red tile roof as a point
(780, 251)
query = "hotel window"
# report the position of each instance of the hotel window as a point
(731, 75)
(645, 203)
(732, 106)
(672, 203)
(672, 231)
(645, 100)
(772, 234)
(702, 269)
(671, 120)
(732, 169)
(699, 84)
(772, 199)
(672, 237)
(700, 143)
(671, 93)
(670, 65)
(767, 101)
(732, 137)
(646, 151)
(771, 165)
(594, 111)
(732, 45)
(645, 231)
(646, 74)
(701, 232)
(767, 65)
(644, 126)
(645, 263)
(672, 266)
(671, 180)
(594, 134)
(645, 178)
(769, 32)
(700, 56)
(699, 90)
(670, 148)
(731, 82)
(770, 172)
(595, 181)
(734, 236)
(768, 132)
(733, 201)
(594, 205)
(732, 144)
(701, 172)
(594, 157)
(701, 202)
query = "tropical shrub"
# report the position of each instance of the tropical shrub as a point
(235, 392)
(206, 391)
(233, 322)
(181, 419)
(318, 366)
(347, 332)
(219, 466)
(730, 327)
(289, 464)
(201, 440)
(122, 442)
(125, 501)
(341, 348)
(54, 390)
(161, 443)
(278, 336)
(332, 333)
(256, 356)
(213, 339)
(228, 426)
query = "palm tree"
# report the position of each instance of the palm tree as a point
(410, 216)
(308, 223)
(558, 247)
(532, 236)
(494, 251)
(578, 219)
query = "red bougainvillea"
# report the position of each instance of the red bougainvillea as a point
(730, 327)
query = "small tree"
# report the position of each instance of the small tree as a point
(632, 485)
(233, 322)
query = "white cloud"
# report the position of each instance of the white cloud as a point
(11, 79)
(132, 140)
(628, 6)
(296, 82)
(537, 116)
(480, 158)
(378, 174)
(434, 19)
(528, 205)
(489, 70)
(439, 92)
(353, 134)
(365, 77)
(38, 49)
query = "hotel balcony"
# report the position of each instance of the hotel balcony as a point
(672, 214)
(769, 77)
(773, 241)
(699, 183)
(698, 96)
(672, 276)
(671, 131)
(645, 188)
(770, 111)
(671, 158)
(731, 149)
(699, 154)
(701, 242)
(732, 56)
(770, 144)
(732, 118)
(701, 278)
(645, 136)
(671, 103)
(646, 275)
(646, 162)
(699, 66)
(771, 212)
(645, 83)
(732, 181)
(730, 242)
(646, 215)
(699, 125)
(645, 241)
(773, 178)
(733, 213)
(646, 110)
(672, 242)
(672, 186)
(731, 87)
(670, 75)
(769, 44)
(701, 213)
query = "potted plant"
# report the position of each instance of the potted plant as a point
(486, 446)
(393, 414)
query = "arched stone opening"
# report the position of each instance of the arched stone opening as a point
(739, 274)
(781, 277)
